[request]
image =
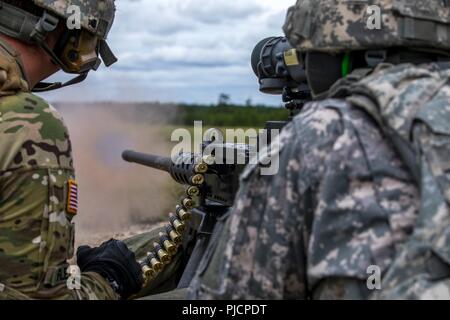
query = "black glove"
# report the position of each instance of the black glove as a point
(116, 263)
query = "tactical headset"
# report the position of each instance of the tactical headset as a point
(76, 52)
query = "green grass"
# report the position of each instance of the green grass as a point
(231, 116)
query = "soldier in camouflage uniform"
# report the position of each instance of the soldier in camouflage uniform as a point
(351, 166)
(38, 191)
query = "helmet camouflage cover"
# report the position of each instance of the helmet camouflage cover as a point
(97, 16)
(341, 25)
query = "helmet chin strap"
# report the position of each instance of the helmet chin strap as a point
(47, 86)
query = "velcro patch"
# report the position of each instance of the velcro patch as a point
(72, 197)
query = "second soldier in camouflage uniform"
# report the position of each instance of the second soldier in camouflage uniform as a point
(347, 194)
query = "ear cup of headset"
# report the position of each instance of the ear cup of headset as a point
(322, 71)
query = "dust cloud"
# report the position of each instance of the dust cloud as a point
(115, 196)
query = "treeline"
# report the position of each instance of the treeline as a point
(228, 115)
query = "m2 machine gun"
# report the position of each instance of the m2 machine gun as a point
(210, 192)
(212, 178)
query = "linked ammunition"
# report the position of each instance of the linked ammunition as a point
(183, 214)
(163, 256)
(154, 263)
(178, 225)
(188, 203)
(167, 244)
(197, 179)
(174, 235)
(193, 191)
(148, 273)
(201, 168)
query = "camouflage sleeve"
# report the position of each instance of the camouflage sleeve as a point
(38, 201)
(340, 203)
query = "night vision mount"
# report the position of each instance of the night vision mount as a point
(280, 69)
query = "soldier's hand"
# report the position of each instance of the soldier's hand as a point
(116, 263)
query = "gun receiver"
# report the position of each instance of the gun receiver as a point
(211, 184)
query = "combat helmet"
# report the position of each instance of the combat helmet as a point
(85, 26)
(340, 25)
(337, 37)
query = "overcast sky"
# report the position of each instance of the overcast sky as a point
(183, 51)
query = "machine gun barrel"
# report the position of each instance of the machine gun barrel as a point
(184, 170)
(148, 160)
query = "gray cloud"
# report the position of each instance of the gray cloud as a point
(183, 51)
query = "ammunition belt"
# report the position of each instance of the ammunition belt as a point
(170, 241)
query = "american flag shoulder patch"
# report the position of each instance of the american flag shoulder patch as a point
(72, 197)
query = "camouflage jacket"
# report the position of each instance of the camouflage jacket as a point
(411, 105)
(342, 202)
(37, 196)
